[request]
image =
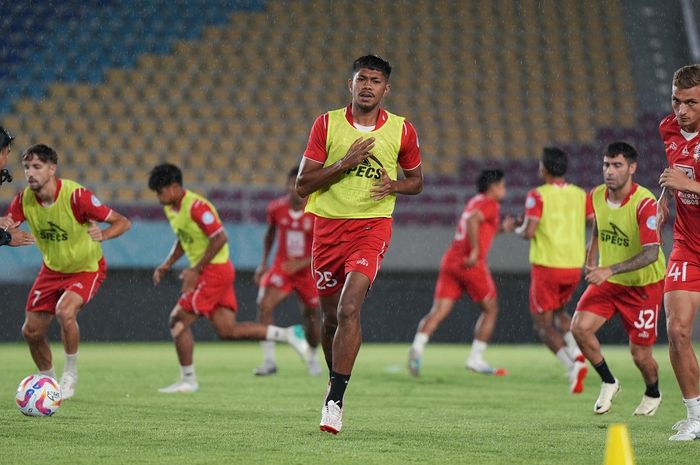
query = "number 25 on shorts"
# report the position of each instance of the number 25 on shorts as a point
(325, 280)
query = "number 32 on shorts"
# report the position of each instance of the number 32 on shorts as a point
(647, 319)
(325, 280)
(675, 271)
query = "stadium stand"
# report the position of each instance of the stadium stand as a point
(229, 91)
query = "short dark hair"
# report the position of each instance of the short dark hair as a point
(619, 147)
(5, 138)
(293, 172)
(555, 161)
(43, 152)
(488, 177)
(164, 175)
(687, 77)
(374, 62)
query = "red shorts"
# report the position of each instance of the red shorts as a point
(638, 307)
(302, 282)
(342, 246)
(455, 278)
(552, 288)
(50, 285)
(682, 276)
(214, 290)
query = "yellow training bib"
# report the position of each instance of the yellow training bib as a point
(349, 197)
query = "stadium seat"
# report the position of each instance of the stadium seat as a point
(211, 91)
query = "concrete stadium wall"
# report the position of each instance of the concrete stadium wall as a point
(129, 308)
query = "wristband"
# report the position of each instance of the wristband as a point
(5, 237)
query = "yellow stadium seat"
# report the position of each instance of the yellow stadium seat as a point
(125, 194)
(25, 106)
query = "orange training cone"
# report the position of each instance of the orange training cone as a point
(618, 448)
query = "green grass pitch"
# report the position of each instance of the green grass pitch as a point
(448, 415)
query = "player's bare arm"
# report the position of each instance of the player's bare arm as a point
(473, 226)
(293, 265)
(176, 252)
(118, 225)
(648, 255)
(189, 276)
(268, 241)
(313, 176)
(592, 248)
(662, 212)
(528, 228)
(412, 184)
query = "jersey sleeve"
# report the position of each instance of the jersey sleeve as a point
(86, 206)
(590, 212)
(533, 205)
(646, 219)
(409, 152)
(15, 209)
(205, 218)
(316, 147)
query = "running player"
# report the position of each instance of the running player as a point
(555, 223)
(10, 234)
(626, 279)
(290, 271)
(464, 269)
(62, 215)
(679, 132)
(350, 169)
(207, 285)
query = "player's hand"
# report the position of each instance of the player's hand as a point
(384, 187)
(189, 277)
(19, 237)
(259, 272)
(358, 152)
(6, 222)
(597, 275)
(472, 258)
(508, 224)
(673, 178)
(158, 274)
(95, 232)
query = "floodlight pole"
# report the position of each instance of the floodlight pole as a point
(691, 30)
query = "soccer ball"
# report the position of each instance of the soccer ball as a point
(38, 396)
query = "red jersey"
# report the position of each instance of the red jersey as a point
(203, 215)
(488, 228)
(409, 151)
(84, 204)
(683, 153)
(294, 230)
